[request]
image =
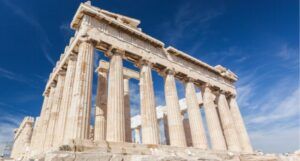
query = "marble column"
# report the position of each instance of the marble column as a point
(166, 129)
(195, 118)
(115, 101)
(127, 110)
(66, 100)
(176, 131)
(150, 130)
(240, 126)
(137, 135)
(227, 124)
(101, 107)
(187, 131)
(212, 119)
(45, 119)
(52, 125)
(82, 93)
(37, 145)
(35, 140)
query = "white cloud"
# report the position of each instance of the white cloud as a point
(283, 107)
(271, 113)
(276, 139)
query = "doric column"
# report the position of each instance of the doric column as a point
(38, 145)
(150, 131)
(240, 126)
(82, 93)
(115, 100)
(50, 134)
(127, 110)
(66, 101)
(227, 124)
(195, 118)
(46, 117)
(187, 131)
(101, 107)
(35, 140)
(212, 119)
(176, 131)
(166, 129)
(137, 135)
(91, 132)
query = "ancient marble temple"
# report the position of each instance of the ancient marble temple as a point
(65, 126)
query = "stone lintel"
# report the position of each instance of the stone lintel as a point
(129, 73)
(183, 55)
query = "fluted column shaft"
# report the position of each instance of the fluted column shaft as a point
(66, 101)
(39, 130)
(195, 118)
(82, 92)
(187, 131)
(45, 119)
(166, 129)
(115, 100)
(240, 126)
(101, 107)
(212, 119)
(35, 140)
(176, 131)
(127, 110)
(150, 131)
(54, 111)
(228, 124)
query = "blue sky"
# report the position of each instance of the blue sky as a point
(258, 40)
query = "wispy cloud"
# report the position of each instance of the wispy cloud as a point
(13, 76)
(8, 122)
(10, 75)
(66, 29)
(289, 55)
(189, 23)
(45, 43)
(270, 113)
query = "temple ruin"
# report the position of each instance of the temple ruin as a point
(64, 125)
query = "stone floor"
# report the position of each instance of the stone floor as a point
(79, 150)
(109, 151)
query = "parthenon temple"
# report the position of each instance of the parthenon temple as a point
(64, 126)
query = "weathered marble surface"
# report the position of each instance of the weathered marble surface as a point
(108, 151)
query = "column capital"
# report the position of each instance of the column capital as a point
(84, 39)
(62, 72)
(231, 95)
(206, 85)
(126, 77)
(73, 56)
(143, 62)
(189, 80)
(222, 92)
(114, 51)
(168, 71)
(53, 84)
